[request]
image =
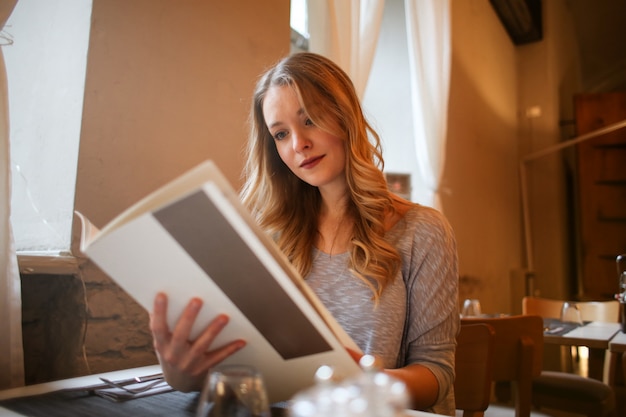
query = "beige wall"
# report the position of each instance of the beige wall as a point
(493, 82)
(168, 85)
(549, 76)
(480, 180)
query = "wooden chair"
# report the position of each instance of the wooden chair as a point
(567, 391)
(474, 368)
(607, 311)
(517, 354)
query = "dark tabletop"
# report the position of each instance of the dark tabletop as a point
(74, 403)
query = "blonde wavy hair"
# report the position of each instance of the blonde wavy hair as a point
(287, 207)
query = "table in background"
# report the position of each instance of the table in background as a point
(617, 349)
(595, 335)
(617, 371)
(618, 342)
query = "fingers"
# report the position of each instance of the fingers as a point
(176, 347)
(209, 334)
(218, 355)
(199, 357)
(186, 361)
(181, 334)
(158, 320)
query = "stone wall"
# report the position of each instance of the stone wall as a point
(73, 327)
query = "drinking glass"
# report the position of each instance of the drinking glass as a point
(570, 313)
(471, 308)
(233, 391)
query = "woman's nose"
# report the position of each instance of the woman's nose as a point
(300, 141)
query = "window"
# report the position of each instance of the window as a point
(46, 76)
(299, 26)
(298, 17)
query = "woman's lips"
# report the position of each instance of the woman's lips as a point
(311, 162)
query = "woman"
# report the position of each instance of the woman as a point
(384, 267)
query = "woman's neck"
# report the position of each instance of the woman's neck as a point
(334, 226)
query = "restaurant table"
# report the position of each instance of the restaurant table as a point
(592, 334)
(64, 399)
(618, 342)
(617, 349)
(595, 335)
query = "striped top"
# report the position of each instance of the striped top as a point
(417, 318)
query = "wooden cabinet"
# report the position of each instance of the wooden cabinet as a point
(601, 193)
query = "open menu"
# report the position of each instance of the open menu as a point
(193, 238)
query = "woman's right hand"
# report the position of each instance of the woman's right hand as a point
(186, 362)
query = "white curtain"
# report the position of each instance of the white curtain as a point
(429, 41)
(346, 31)
(11, 353)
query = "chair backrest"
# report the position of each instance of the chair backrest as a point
(474, 368)
(607, 311)
(518, 354)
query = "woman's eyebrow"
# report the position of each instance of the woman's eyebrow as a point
(274, 124)
(300, 112)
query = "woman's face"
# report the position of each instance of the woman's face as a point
(315, 156)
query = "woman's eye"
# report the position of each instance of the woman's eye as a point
(280, 135)
(308, 122)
